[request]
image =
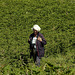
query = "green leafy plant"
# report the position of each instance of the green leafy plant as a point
(57, 21)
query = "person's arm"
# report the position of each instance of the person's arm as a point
(29, 39)
(42, 40)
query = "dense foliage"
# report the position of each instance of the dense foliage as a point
(57, 20)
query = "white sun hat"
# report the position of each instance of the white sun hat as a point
(36, 27)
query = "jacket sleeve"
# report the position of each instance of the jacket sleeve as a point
(29, 39)
(43, 40)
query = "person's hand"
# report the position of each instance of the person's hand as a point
(39, 38)
(29, 40)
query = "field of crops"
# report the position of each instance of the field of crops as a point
(57, 21)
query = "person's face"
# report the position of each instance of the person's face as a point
(35, 32)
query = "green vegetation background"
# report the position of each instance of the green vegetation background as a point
(57, 20)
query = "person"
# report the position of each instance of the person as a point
(37, 42)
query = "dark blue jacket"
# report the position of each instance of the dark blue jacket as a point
(39, 44)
